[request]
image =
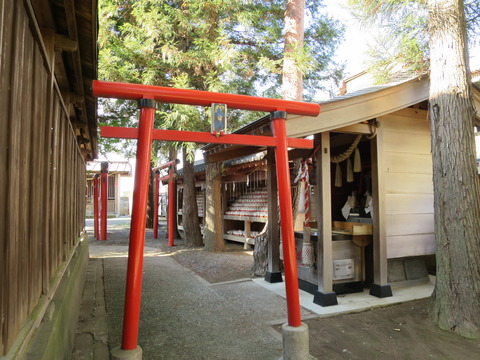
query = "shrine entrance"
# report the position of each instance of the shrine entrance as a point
(295, 334)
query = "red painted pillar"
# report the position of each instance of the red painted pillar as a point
(286, 218)
(155, 204)
(103, 195)
(171, 207)
(137, 229)
(95, 206)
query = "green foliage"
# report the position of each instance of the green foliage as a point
(403, 45)
(233, 46)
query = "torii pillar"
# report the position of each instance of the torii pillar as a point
(95, 207)
(104, 199)
(295, 333)
(156, 203)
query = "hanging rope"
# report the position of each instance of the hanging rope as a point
(346, 154)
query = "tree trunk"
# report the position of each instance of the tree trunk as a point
(213, 231)
(456, 299)
(191, 224)
(294, 28)
(260, 253)
(172, 155)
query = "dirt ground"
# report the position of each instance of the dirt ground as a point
(231, 265)
(393, 332)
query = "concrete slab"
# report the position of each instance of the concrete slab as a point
(182, 316)
(356, 301)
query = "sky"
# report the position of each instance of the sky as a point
(353, 49)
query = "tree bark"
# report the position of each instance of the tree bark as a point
(213, 230)
(191, 224)
(456, 298)
(172, 155)
(260, 253)
(294, 29)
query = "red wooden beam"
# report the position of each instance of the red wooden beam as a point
(167, 177)
(163, 166)
(202, 98)
(203, 137)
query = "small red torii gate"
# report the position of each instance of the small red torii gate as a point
(171, 196)
(147, 96)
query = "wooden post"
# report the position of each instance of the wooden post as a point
(379, 288)
(324, 295)
(273, 274)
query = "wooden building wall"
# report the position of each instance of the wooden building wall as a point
(42, 173)
(407, 175)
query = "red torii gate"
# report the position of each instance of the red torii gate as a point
(100, 181)
(171, 196)
(147, 96)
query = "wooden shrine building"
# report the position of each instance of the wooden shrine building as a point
(48, 59)
(371, 226)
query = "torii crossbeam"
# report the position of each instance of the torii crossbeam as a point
(147, 97)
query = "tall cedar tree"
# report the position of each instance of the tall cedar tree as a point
(456, 183)
(292, 87)
(233, 46)
(456, 299)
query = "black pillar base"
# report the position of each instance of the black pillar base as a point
(325, 299)
(381, 291)
(273, 277)
(307, 286)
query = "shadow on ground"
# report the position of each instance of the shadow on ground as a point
(200, 305)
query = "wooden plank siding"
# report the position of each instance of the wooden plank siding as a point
(407, 173)
(6, 19)
(42, 187)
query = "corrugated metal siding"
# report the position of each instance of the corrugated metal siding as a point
(42, 182)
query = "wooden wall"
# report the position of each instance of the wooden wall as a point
(42, 173)
(407, 173)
